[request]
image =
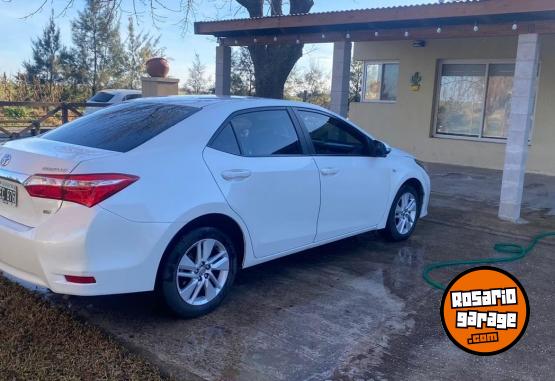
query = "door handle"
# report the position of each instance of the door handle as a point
(236, 174)
(328, 171)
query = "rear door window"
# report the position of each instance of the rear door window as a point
(266, 133)
(122, 127)
(102, 97)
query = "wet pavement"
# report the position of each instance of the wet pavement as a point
(357, 309)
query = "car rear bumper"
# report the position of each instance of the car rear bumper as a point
(121, 255)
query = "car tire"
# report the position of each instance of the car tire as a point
(196, 275)
(403, 215)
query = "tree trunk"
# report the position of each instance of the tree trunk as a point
(273, 63)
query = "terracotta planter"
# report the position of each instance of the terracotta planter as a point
(157, 67)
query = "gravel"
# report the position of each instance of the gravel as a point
(40, 341)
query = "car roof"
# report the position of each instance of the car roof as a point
(233, 103)
(120, 91)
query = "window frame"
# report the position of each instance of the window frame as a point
(488, 63)
(308, 138)
(305, 149)
(381, 71)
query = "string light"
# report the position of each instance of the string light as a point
(298, 41)
(275, 38)
(348, 36)
(476, 28)
(439, 30)
(323, 36)
(515, 26)
(236, 42)
(376, 34)
(255, 40)
(406, 33)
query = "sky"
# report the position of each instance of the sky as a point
(18, 27)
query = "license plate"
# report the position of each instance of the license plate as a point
(8, 193)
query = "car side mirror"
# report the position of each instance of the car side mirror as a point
(377, 148)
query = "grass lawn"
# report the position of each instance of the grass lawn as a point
(39, 341)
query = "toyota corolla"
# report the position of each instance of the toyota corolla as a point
(177, 194)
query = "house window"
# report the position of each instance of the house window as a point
(474, 99)
(380, 81)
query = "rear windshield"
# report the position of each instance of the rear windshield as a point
(122, 127)
(102, 97)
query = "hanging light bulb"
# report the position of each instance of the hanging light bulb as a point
(439, 30)
(275, 38)
(515, 26)
(348, 35)
(255, 40)
(407, 33)
(376, 34)
(323, 36)
(298, 41)
(236, 42)
(476, 28)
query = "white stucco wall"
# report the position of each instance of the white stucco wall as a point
(407, 123)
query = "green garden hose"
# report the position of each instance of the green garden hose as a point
(515, 252)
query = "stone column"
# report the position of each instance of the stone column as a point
(340, 78)
(520, 123)
(159, 87)
(223, 70)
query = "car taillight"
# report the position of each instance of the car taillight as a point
(86, 190)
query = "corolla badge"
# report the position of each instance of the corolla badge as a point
(5, 160)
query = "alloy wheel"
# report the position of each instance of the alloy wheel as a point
(202, 271)
(405, 213)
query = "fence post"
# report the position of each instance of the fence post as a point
(64, 113)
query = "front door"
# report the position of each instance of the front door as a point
(258, 163)
(354, 187)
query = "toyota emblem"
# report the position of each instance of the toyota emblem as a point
(5, 160)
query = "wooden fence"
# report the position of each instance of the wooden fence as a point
(22, 119)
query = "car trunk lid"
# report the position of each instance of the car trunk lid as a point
(20, 159)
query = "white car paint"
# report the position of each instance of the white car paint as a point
(117, 96)
(281, 204)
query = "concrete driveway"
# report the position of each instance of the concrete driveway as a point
(353, 310)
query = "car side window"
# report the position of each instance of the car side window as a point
(332, 136)
(226, 141)
(266, 133)
(132, 96)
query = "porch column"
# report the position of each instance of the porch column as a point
(340, 78)
(223, 70)
(520, 122)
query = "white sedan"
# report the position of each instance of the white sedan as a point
(177, 194)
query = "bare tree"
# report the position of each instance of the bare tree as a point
(272, 63)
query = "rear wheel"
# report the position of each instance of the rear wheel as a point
(198, 272)
(403, 215)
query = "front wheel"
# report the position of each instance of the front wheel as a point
(403, 215)
(198, 272)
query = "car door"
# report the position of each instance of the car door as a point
(261, 167)
(354, 186)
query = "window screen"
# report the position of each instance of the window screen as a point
(266, 133)
(122, 127)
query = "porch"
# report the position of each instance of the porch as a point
(526, 22)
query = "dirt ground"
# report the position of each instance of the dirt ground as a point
(39, 341)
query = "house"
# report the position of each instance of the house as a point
(462, 82)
